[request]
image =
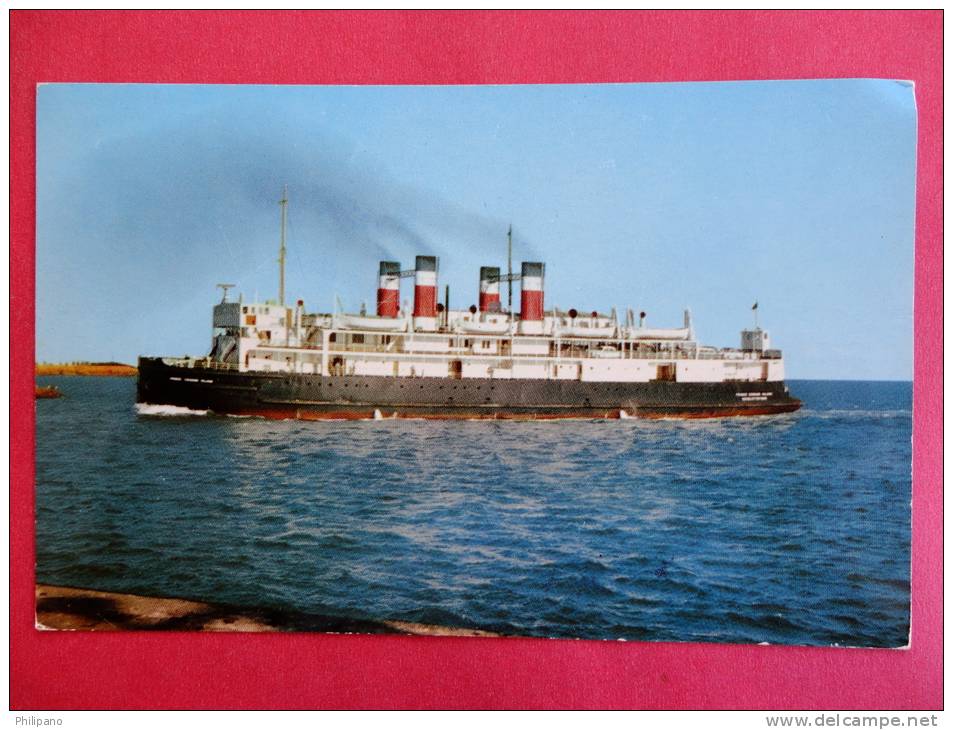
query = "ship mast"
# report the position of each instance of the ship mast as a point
(509, 268)
(281, 251)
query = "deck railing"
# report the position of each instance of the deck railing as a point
(573, 354)
(201, 362)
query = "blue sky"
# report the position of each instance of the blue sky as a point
(797, 194)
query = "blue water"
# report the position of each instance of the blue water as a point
(789, 529)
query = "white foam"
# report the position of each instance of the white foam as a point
(154, 409)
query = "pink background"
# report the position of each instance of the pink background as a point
(177, 670)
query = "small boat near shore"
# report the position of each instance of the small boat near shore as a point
(48, 391)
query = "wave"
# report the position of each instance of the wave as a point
(152, 409)
(851, 413)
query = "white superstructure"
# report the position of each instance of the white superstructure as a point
(455, 344)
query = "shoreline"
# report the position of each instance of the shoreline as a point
(63, 608)
(112, 369)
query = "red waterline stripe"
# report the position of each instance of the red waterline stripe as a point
(367, 413)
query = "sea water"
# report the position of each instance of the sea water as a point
(790, 529)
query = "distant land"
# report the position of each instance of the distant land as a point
(86, 368)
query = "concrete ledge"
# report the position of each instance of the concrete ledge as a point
(79, 609)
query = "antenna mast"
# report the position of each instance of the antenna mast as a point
(224, 288)
(281, 251)
(509, 268)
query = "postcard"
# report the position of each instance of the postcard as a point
(600, 361)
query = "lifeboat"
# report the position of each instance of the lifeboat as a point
(658, 333)
(368, 322)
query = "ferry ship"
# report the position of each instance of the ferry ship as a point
(277, 360)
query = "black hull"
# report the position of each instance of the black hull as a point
(279, 395)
